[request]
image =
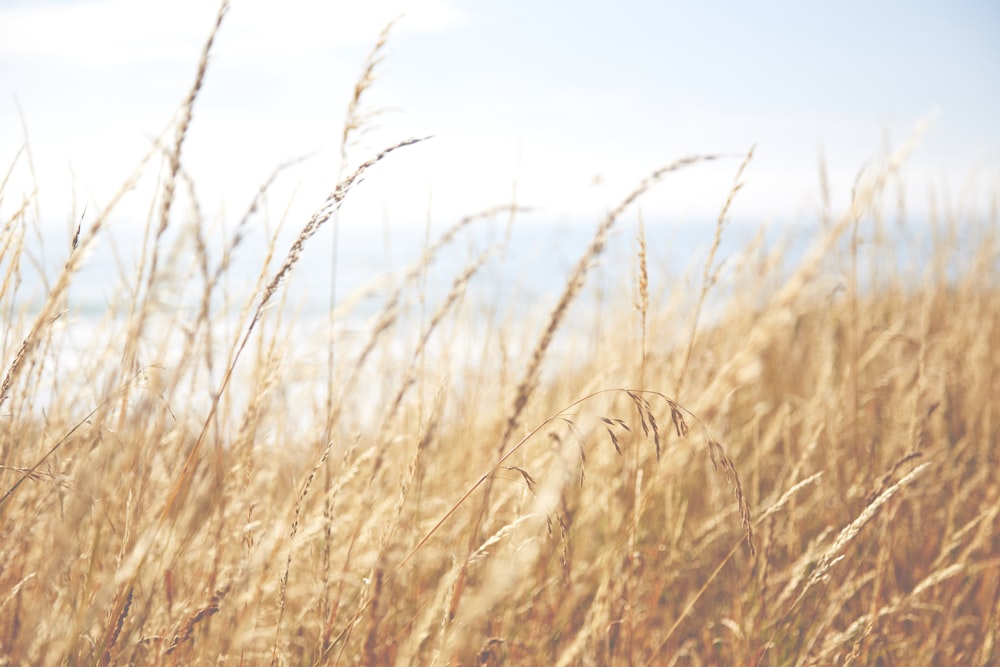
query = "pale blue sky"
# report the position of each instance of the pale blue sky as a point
(550, 94)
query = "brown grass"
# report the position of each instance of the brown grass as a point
(541, 500)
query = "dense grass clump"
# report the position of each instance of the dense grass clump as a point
(787, 460)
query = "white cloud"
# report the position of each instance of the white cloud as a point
(131, 32)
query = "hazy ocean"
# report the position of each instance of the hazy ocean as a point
(525, 269)
(525, 272)
(531, 259)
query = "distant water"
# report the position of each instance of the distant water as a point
(527, 263)
(525, 271)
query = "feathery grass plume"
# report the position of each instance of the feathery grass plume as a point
(356, 120)
(710, 274)
(11, 246)
(354, 125)
(322, 215)
(236, 239)
(318, 219)
(716, 451)
(124, 605)
(642, 297)
(390, 312)
(529, 380)
(137, 320)
(832, 555)
(293, 531)
(458, 288)
(28, 473)
(778, 314)
(186, 631)
(862, 627)
(647, 414)
(48, 312)
(213, 277)
(849, 532)
(369, 597)
(15, 591)
(693, 600)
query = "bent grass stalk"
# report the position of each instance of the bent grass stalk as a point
(714, 448)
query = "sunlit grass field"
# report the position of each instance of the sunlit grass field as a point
(779, 459)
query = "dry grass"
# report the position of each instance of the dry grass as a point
(532, 507)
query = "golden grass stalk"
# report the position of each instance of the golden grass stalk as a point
(710, 274)
(574, 284)
(642, 297)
